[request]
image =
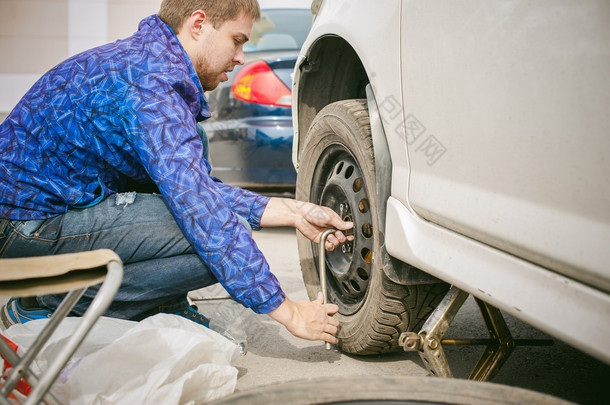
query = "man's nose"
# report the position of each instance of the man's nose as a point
(239, 57)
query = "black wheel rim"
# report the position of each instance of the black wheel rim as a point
(340, 185)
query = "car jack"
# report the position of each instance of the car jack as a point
(429, 341)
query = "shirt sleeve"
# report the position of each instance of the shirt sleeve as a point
(162, 130)
(245, 203)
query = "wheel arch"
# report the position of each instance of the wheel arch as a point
(332, 71)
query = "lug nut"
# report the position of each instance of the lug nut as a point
(343, 209)
(347, 247)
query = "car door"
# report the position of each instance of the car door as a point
(505, 106)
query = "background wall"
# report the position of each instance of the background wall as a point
(36, 35)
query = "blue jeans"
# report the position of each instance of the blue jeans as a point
(160, 265)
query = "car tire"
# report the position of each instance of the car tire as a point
(388, 390)
(337, 169)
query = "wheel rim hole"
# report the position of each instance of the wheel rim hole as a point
(357, 186)
(362, 273)
(355, 285)
(364, 205)
(367, 230)
(345, 287)
(367, 255)
(349, 171)
(339, 168)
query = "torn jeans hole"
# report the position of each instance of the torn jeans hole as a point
(125, 199)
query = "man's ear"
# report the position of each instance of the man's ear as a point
(195, 24)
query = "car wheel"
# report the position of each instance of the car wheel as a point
(388, 390)
(337, 170)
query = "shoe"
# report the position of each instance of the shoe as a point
(13, 313)
(191, 314)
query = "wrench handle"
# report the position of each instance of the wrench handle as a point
(322, 269)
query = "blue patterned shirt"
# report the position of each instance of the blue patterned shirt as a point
(129, 109)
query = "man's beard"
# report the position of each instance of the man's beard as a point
(208, 83)
(209, 80)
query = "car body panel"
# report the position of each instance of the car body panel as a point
(568, 310)
(514, 108)
(464, 209)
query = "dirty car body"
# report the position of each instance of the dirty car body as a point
(487, 168)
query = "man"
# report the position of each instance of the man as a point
(128, 111)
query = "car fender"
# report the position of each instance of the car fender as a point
(385, 63)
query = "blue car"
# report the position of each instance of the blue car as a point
(250, 131)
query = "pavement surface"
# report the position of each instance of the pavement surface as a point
(276, 356)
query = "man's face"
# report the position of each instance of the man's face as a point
(220, 49)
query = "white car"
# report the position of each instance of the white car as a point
(469, 142)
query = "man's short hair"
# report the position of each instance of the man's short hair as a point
(175, 12)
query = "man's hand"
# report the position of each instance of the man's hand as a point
(309, 320)
(310, 219)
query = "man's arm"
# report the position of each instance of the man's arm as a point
(161, 130)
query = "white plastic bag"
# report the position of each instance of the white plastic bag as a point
(165, 359)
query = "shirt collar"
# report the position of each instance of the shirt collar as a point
(204, 112)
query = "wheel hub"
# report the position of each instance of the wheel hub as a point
(349, 266)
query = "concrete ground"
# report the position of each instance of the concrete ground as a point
(275, 356)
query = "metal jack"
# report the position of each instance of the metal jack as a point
(429, 341)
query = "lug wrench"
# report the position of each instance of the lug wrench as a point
(322, 265)
(322, 269)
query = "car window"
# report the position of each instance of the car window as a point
(281, 29)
